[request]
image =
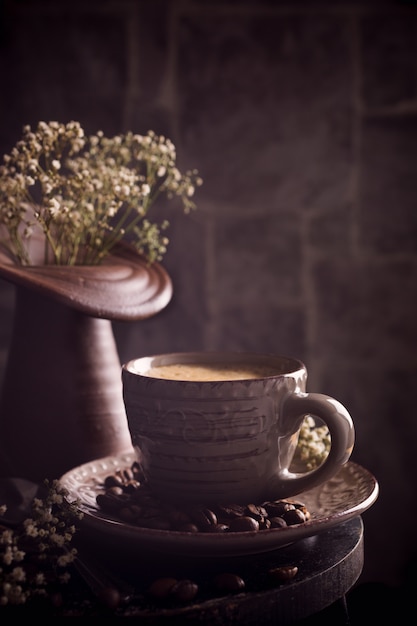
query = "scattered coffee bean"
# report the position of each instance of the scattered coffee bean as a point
(282, 574)
(228, 582)
(110, 597)
(184, 590)
(161, 587)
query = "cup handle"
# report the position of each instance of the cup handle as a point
(342, 433)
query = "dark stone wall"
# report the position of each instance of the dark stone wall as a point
(302, 119)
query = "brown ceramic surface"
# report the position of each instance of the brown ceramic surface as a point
(61, 401)
(124, 287)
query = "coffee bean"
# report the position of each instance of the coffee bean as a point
(227, 511)
(218, 528)
(110, 597)
(184, 590)
(264, 523)
(204, 518)
(161, 587)
(294, 516)
(303, 508)
(278, 508)
(278, 522)
(110, 502)
(255, 511)
(115, 491)
(282, 574)
(113, 481)
(244, 523)
(229, 582)
(132, 486)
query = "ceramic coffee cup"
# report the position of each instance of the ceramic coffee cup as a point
(225, 426)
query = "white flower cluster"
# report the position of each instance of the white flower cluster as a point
(85, 194)
(313, 444)
(35, 554)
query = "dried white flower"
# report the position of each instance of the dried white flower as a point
(28, 564)
(86, 193)
(313, 444)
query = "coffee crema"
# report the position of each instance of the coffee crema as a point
(202, 372)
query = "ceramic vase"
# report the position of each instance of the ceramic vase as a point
(61, 402)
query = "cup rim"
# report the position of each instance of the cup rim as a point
(286, 365)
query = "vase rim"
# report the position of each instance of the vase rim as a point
(124, 287)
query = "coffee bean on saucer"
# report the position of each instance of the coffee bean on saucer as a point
(278, 507)
(219, 528)
(244, 523)
(294, 516)
(115, 490)
(127, 495)
(255, 511)
(264, 523)
(110, 502)
(278, 522)
(203, 518)
(113, 480)
(228, 511)
(131, 486)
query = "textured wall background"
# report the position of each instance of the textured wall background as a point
(302, 119)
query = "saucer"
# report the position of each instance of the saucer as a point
(348, 494)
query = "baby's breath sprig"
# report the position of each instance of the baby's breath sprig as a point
(35, 554)
(313, 444)
(86, 193)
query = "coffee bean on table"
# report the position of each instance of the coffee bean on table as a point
(184, 590)
(282, 574)
(167, 588)
(229, 582)
(161, 587)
